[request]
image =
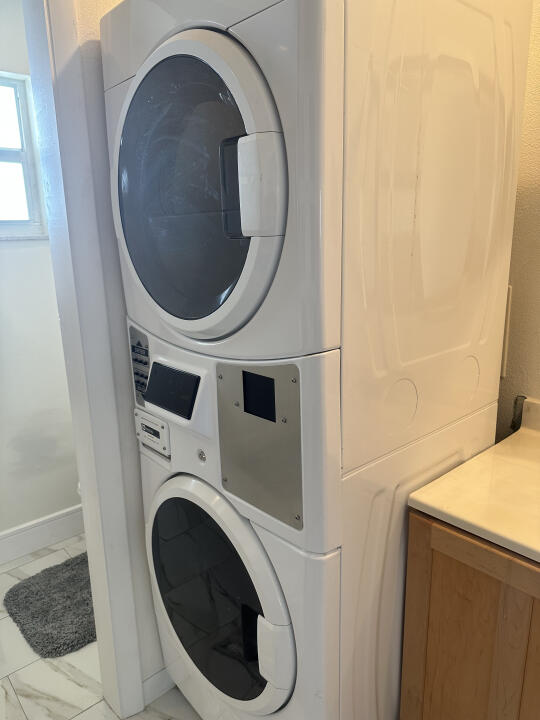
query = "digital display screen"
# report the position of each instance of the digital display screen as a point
(259, 395)
(172, 390)
(150, 430)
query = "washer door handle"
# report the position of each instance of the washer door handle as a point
(262, 184)
(277, 654)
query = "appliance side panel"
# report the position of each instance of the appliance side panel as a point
(114, 102)
(330, 170)
(152, 658)
(373, 560)
(433, 112)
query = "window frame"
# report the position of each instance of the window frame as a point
(28, 157)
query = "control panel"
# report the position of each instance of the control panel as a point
(140, 362)
(172, 389)
(153, 433)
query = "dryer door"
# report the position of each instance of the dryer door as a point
(199, 183)
(218, 597)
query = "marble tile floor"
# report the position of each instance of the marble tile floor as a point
(32, 688)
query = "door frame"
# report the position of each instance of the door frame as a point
(68, 93)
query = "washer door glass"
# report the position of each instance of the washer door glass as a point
(178, 187)
(209, 597)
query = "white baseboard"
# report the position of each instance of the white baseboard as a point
(40, 533)
(156, 685)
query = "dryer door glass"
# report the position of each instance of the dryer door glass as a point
(209, 597)
(178, 187)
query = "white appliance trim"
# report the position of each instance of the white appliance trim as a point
(157, 685)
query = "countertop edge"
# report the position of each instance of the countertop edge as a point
(527, 552)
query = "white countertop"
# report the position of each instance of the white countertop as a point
(496, 495)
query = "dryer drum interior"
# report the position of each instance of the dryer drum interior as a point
(176, 187)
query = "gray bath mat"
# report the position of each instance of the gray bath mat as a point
(53, 609)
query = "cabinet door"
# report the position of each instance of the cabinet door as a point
(471, 618)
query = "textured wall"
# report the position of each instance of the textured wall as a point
(523, 370)
(89, 13)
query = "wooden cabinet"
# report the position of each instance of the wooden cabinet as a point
(471, 647)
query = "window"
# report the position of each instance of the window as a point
(21, 205)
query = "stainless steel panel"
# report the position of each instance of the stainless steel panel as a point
(261, 460)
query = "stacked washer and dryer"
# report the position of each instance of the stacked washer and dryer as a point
(314, 206)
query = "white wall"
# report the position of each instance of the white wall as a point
(37, 459)
(523, 369)
(13, 52)
(38, 473)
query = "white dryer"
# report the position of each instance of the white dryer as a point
(226, 167)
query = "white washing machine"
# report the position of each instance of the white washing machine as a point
(248, 616)
(314, 205)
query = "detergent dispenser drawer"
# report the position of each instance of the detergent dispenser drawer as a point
(260, 437)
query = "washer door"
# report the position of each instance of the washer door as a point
(218, 594)
(199, 183)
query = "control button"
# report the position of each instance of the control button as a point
(138, 351)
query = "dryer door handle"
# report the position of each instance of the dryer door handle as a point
(262, 184)
(277, 654)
